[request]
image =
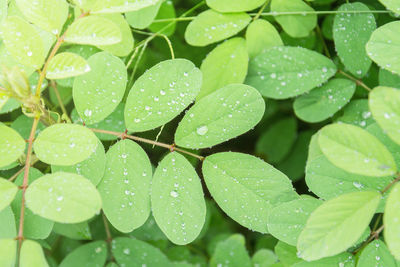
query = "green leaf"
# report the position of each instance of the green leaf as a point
(65, 65)
(283, 72)
(323, 102)
(231, 252)
(357, 113)
(264, 258)
(166, 11)
(387, 78)
(225, 64)
(77, 231)
(124, 47)
(384, 46)
(261, 35)
(126, 200)
(8, 227)
(93, 30)
(8, 190)
(8, 252)
(214, 118)
(177, 199)
(275, 143)
(287, 220)
(65, 144)
(142, 18)
(376, 253)
(11, 145)
(161, 93)
(211, 27)
(287, 254)
(246, 187)
(384, 103)
(234, 5)
(294, 25)
(97, 93)
(91, 254)
(351, 33)
(391, 221)
(118, 6)
(3, 10)
(38, 12)
(337, 224)
(23, 42)
(355, 150)
(342, 260)
(63, 197)
(126, 251)
(92, 168)
(392, 5)
(32, 255)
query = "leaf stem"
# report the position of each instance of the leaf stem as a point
(60, 102)
(106, 228)
(357, 81)
(12, 178)
(261, 10)
(391, 184)
(171, 49)
(148, 141)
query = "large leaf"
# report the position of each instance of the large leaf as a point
(283, 72)
(225, 64)
(91, 254)
(63, 197)
(97, 93)
(351, 33)
(246, 187)
(323, 102)
(8, 190)
(125, 188)
(93, 30)
(32, 255)
(355, 150)
(8, 252)
(177, 199)
(384, 46)
(11, 145)
(376, 254)
(211, 27)
(234, 5)
(337, 224)
(384, 103)
(295, 25)
(391, 220)
(393, 5)
(65, 144)
(38, 12)
(23, 42)
(261, 35)
(231, 252)
(161, 93)
(220, 116)
(65, 65)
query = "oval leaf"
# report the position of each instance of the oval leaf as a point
(231, 250)
(261, 35)
(8, 190)
(337, 224)
(142, 18)
(11, 145)
(355, 150)
(91, 254)
(177, 199)
(391, 220)
(8, 252)
(234, 5)
(283, 72)
(118, 6)
(214, 119)
(32, 255)
(63, 197)
(97, 93)
(125, 188)
(376, 254)
(211, 27)
(393, 5)
(246, 187)
(65, 65)
(161, 93)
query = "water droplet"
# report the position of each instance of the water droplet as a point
(126, 251)
(173, 194)
(202, 130)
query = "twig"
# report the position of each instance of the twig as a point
(391, 184)
(261, 10)
(60, 102)
(357, 81)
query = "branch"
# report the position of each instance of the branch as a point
(391, 184)
(357, 81)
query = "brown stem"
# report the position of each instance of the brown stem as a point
(357, 81)
(107, 228)
(391, 184)
(12, 178)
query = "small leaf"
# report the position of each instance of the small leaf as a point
(214, 118)
(392, 222)
(32, 255)
(166, 11)
(261, 35)
(161, 93)
(125, 188)
(344, 259)
(225, 64)
(357, 113)
(8, 227)
(337, 224)
(384, 46)
(389, 79)
(246, 187)
(234, 5)
(264, 258)
(97, 93)
(384, 103)
(177, 199)
(392, 5)
(232, 250)
(283, 72)
(120, 6)
(323, 102)
(91, 254)
(287, 254)
(93, 30)
(63, 197)
(295, 25)
(8, 190)
(38, 12)
(211, 27)
(8, 252)
(65, 144)
(78, 231)
(351, 33)
(141, 19)
(65, 65)
(23, 42)
(11, 145)
(376, 254)
(355, 150)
